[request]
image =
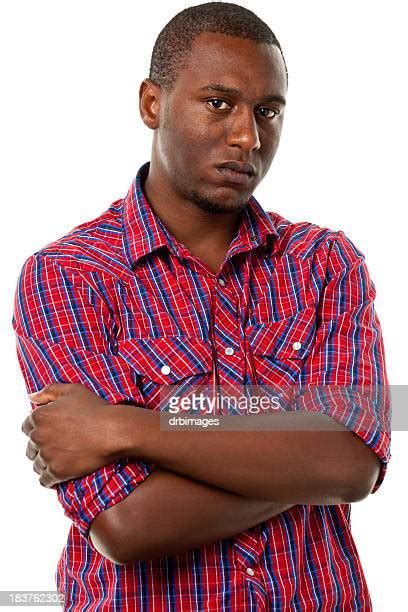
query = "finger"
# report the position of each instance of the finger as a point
(32, 450)
(39, 465)
(27, 425)
(50, 393)
(46, 480)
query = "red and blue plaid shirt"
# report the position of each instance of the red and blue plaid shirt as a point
(119, 297)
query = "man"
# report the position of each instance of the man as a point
(188, 281)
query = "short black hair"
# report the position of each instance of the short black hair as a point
(174, 43)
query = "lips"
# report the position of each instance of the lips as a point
(238, 167)
(236, 172)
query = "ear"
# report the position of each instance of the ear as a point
(149, 103)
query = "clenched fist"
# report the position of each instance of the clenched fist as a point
(72, 432)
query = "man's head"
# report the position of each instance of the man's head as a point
(215, 97)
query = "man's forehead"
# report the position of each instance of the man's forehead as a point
(235, 63)
(213, 45)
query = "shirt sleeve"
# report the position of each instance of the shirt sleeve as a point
(345, 375)
(65, 333)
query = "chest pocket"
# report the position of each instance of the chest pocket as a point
(278, 350)
(185, 361)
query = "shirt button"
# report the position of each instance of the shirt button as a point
(221, 282)
(250, 571)
(253, 238)
(297, 346)
(165, 370)
(229, 351)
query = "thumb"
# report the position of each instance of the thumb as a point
(49, 393)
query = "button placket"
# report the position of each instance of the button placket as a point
(227, 356)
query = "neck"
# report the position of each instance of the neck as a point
(194, 227)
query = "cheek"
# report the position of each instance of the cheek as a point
(268, 151)
(278, 130)
(182, 155)
(196, 126)
(193, 142)
(198, 131)
(270, 141)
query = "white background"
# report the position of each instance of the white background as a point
(72, 140)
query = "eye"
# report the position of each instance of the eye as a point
(217, 103)
(268, 110)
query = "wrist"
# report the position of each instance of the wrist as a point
(129, 430)
(118, 423)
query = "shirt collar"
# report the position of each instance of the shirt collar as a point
(144, 232)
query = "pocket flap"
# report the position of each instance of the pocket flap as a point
(169, 359)
(290, 338)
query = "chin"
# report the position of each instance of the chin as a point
(219, 205)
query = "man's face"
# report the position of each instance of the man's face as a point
(226, 107)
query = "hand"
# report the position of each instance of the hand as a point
(70, 432)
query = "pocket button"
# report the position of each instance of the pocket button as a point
(165, 370)
(296, 346)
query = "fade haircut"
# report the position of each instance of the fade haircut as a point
(174, 43)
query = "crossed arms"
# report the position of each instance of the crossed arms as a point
(205, 487)
(209, 486)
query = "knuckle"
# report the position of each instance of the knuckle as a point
(30, 451)
(35, 436)
(53, 389)
(39, 414)
(36, 415)
(54, 469)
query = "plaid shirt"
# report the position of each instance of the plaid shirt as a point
(119, 297)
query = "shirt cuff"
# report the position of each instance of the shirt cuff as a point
(366, 411)
(84, 498)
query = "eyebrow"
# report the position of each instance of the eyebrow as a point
(236, 92)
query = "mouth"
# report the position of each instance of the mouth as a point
(236, 173)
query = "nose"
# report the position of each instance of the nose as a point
(243, 131)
